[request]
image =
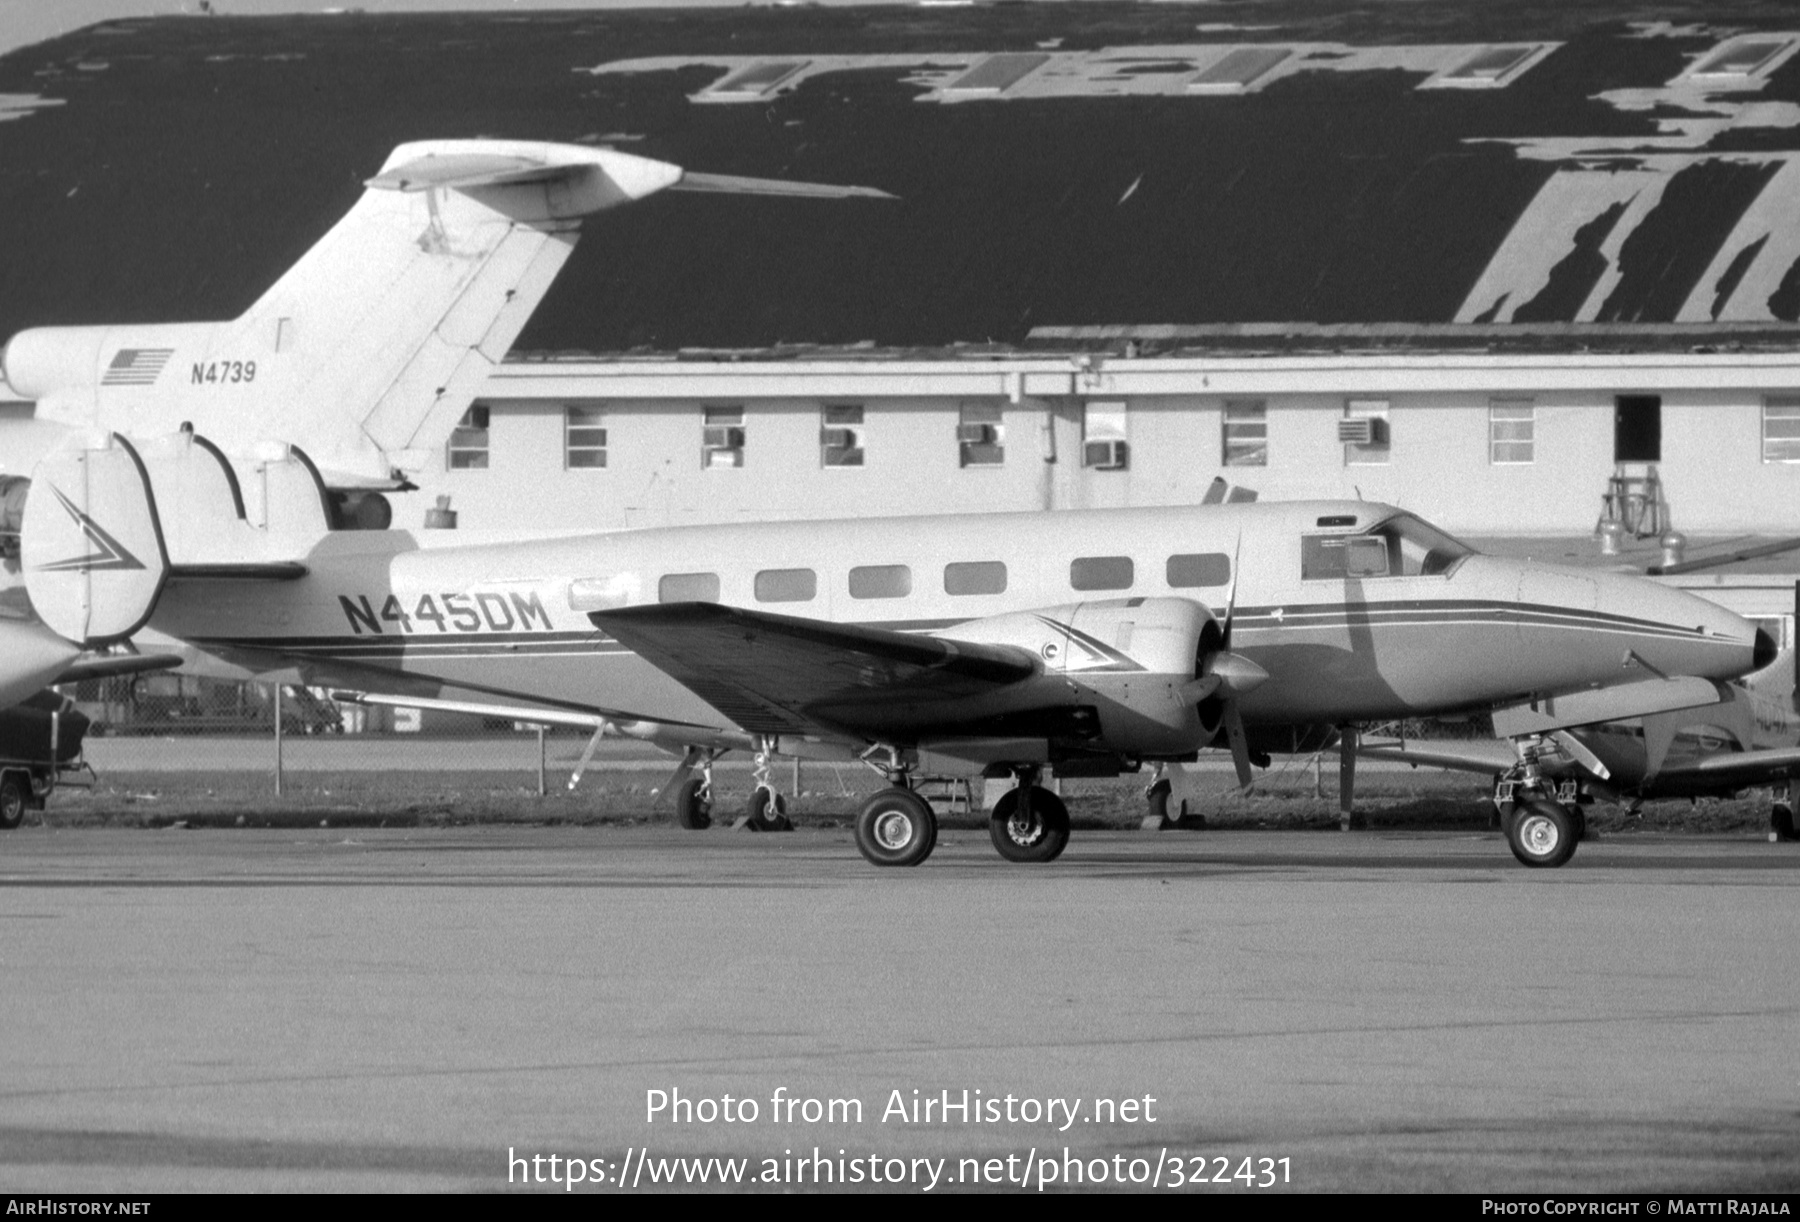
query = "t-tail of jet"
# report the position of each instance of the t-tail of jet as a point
(371, 347)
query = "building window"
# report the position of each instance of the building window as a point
(584, 440)
(1781, 428)
(1512, 431)
(975, 577)
(880, 581)
(786, 586)
(1101, 573)
(841, 436)
(981, 435)
(469, 440)
(1364, 432)
(1103, 435)
(688, 588)
(722, 437)
(1246, 434)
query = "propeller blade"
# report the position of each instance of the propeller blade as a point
(1240, 745)
(1659, 736)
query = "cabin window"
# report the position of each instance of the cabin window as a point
(1245, 440)
(584, 438)
(1325, 557)
(981, 435)
(469, 440)
(1512, 431)
(1198, 569)
(975, 577)
(881, 581)
(688, 588)
(841, 435)
(1364, 432)
(722, 437)
(1101, 573)
(1781, 428)
(786, 585)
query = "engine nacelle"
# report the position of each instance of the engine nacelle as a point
(1133, 659)
(66, 369)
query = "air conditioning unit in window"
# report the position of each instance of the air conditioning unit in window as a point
(837, 439)
(1104, 455)
(1360, 431)
(723, 437)
(975, 434)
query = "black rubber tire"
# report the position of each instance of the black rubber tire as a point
(896, 827)
(1158, 798)
(1034, 830)
(14, 798)
(1542, 834)
(1781, 822)
(693, 804)
(767, 811)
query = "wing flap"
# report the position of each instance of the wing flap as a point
(782, 674)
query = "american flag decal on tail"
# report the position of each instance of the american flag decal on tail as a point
(136, 366)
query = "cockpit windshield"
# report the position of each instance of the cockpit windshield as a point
(1400, 546)
(1418, 549)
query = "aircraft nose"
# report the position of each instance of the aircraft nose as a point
(1679, 633)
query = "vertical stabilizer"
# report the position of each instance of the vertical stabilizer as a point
(91, 546)
(374, 343)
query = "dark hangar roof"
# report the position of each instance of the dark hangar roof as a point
(1065, 169)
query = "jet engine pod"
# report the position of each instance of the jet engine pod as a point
(45, 360)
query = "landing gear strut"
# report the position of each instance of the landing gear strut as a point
(1157, 795)
(1541, 831)
(766, 810)
(1029, 824)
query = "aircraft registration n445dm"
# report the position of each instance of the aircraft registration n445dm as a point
(1092, 641)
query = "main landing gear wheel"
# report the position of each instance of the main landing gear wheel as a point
(12, 803)
(896, 827)
(1030, 824)
(767, 812)
(1542, 834)
(693, 804)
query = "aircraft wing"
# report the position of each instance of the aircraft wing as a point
(1483, 755)
(782, 674)
(1729, 770)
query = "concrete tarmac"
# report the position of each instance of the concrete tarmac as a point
(400, 1009)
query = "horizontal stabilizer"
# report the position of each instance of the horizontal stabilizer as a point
(731, 184)
(781, 674)
(468, 165)
(275, 570)
(112, 665)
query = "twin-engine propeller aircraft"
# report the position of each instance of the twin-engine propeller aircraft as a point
(1748, 739)
(1092, 641)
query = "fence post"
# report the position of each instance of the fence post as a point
(279, 691)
